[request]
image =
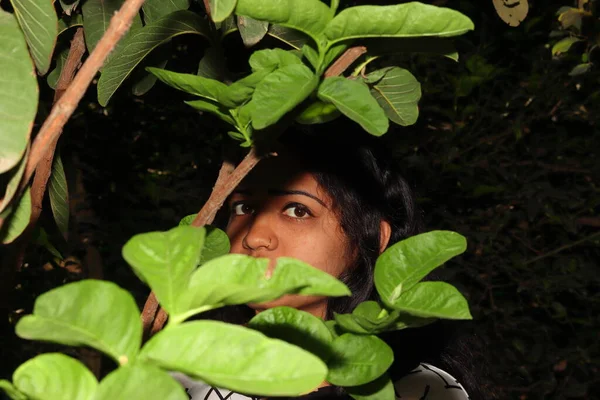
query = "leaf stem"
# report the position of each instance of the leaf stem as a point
(334, 6)
(358, 70)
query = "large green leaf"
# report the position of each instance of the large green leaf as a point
(272, 59)
(16, 218)
(39, 23)
(193, 84)
(291, 37)
(405, 263)
(308, 16)
(353, 99)
(55, 376)
(141, 42)
(381, 388)
(221, 9)
(398, 93)
(433, 300)
(11, 391)
(165, 260)
(140, 382)
(236, 358)
(155, 9)
(91, 313)
(280, 92)
(59, 195)
(296, 327)
(358, 359)
(402, 20)
(252, 30)
(18, 93)
(14, 179)
(96, 18)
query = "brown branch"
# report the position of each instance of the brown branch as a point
(345, 60)
(65, 106)
(207, 7)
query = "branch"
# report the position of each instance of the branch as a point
(345, 60)
(65, 106)
(562, 248)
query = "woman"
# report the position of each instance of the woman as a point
(334, 201)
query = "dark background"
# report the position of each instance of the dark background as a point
(504, 152)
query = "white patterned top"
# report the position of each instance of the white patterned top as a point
(425, 382)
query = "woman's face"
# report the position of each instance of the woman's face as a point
(281, 211)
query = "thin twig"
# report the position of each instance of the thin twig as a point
(562, 248)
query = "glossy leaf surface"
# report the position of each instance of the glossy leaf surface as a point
(193, 84)
(398, 93)
(405, 263)
(76, 314)
(235, 358)
(39, 23)
(55, 376)
(353, 99)
(18, 93)
(140, 382)
(59, 195)
(434, 300)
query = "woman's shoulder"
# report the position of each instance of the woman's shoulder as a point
(431, 383)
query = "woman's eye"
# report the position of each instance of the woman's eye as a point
(242, 209)
(297, 211)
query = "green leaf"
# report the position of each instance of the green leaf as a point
(252, 30)
(55, 376)
(59, 195)
(17, 221)
(216, 242)
(318, 113)
(40, 237)
(280, 92)
(239, 92)
(563, 45)
(14, 179)
(333, 53)
(193, 84)
(398, 93)
(311, 55)
(290, 273)
(147, 81)
(433, 300)
(296, 327)
(580, 69)
(358, 359)
(18, 93)
(221, 9)
(67, 22)
(140, 382)
(165, 260)
(96, 18)
(141, 42)
(236, 358)
(213, 108)
(291, 37)
(401, 21)
(155, 9)
(76, 314)
(212, 65)
(425, 45)
(39, 23)
(53, 76)
(353, 99)
(308, 16)
(68, 6)
(272, 59)
(381, 388)
(11, 391)
(405, 263)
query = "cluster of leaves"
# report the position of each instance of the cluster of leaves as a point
(190, 272)
(579, 27)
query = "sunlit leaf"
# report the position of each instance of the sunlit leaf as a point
(59, 195)
(140, 382)
(210, 89)
(433, 300)
(11, 391)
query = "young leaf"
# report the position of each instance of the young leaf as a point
(59, 196)
(358, 359)
(165, 260)
(141, 42)
(193, 84)
(333, 53)
(381, 388)
(308, 16)
(76, 314)
(405, 263)
(212, 107)
(318, 113)
(280, 92)
(19, 97)
(16, 221)
(55, 376)
(272, 59)
(155, 9)
(221, 9)
(311, 55)
(236, 358)
(239, 92)
(402, 20)
(14, 179)
(291, 37)
(433, 300)
(353, 99)
(398, 93)
(140, 382)
(563, 45)
(96, 18)
(11, 391)
(251, 30)
(296, 327)
(39, 23)
(216, 242)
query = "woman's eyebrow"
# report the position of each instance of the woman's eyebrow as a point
(276, 192)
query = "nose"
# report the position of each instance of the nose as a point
(260, 235)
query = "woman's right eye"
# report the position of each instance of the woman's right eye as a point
(242, 209)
